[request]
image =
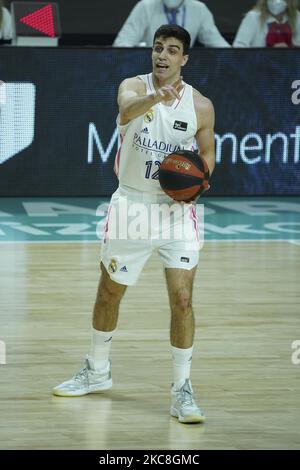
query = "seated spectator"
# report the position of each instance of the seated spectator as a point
(5, 23)
(271, 23)
(148, 15)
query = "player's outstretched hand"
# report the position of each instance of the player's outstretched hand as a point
(170, 92)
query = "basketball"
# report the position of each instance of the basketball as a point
(184, 175)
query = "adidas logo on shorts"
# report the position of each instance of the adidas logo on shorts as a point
(124, 269)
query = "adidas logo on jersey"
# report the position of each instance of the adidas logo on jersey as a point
(145, 130)
(124, 269)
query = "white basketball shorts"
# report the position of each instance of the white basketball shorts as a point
(139, 223)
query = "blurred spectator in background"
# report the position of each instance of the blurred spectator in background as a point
(271, 23)
(5, 23)
(148, 15)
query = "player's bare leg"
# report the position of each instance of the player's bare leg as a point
(95, 376)
(180, 289)
(106, 308)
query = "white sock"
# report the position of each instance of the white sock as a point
(100, 348)
(182, 360)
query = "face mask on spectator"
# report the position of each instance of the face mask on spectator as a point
(276, 7)
(172, 4)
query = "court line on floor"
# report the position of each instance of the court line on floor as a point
(28, 242)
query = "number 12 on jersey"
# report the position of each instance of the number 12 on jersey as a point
(151, 167)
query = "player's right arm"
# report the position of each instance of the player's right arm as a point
(133, 100)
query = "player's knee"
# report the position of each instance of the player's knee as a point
(110, 293)
(181, 300)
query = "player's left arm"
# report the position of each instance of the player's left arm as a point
(205, 135)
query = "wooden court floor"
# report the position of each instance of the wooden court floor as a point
(247, 305)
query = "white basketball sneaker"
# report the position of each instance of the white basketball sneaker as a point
(183, 405)
(87, 380)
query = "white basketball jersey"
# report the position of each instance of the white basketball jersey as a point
(146, 140)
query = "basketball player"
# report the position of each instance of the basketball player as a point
(169, 113)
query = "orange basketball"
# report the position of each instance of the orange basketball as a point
(184, 175)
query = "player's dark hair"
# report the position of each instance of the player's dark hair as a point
(173, 31)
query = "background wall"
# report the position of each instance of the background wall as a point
(58, 132)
